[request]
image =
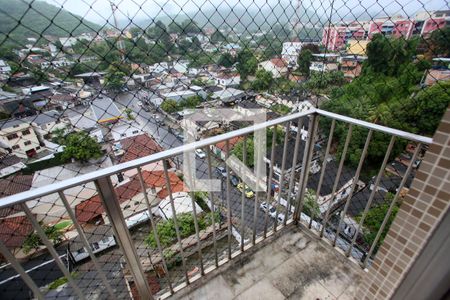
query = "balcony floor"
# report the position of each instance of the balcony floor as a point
(292, 264)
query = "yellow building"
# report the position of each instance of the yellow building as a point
(357, 47)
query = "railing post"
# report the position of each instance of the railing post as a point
(307, 155)
(123, 237)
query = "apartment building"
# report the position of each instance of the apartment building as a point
(337, 36)
(20, 138)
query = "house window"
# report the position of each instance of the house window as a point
(12, 136)
(26, 132)
(26, 143)
(15, 147)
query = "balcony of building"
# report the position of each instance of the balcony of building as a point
(301, 236)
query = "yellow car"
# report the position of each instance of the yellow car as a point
(246, 190)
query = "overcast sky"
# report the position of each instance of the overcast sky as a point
(140, 9)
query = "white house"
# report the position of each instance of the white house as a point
(227, 80)
(181, 66)
(47, 122)
(290, 52)
(277, 66)
(5, 69)
(182, 202)
(20, 137)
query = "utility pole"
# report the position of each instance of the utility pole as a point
(120, 45)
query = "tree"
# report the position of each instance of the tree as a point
(247, 63)
(428, 106)
(217, 37)
(304, 61)
(190, 26)
(81, 147)
(135, 32)
(310, 205)
(375, 218)
(170, 106)
(174, 27)
(190, 102)
(264, 80)
(273, 49)
(114, 79)
(159, 33)
(439, 42)
(129, 113)
(387, 55)
(314, 48)
(33, 240)
(226, 60)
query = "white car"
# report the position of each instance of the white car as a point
(264, 206)
(200, 153)
(280, 217)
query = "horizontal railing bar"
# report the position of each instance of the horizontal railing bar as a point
(384, 129)
(166, 154)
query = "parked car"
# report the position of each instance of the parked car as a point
(234, 180)
(200, 153)
(222, 172)
(280, 217)
(264, 206)
(246, 190)
(273, 212)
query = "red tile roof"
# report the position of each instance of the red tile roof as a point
(92, 208)
(278, 62)
(13, 185)
(138, 146)
(13, 231)
(232, 142)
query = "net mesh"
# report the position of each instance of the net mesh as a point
(90, 84)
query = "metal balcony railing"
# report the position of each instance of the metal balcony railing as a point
(192, 254)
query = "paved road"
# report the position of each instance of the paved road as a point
(43, 270)
(167, 139)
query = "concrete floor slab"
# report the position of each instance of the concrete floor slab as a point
(292, 264)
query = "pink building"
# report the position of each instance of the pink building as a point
(336, 36)
(433, 24)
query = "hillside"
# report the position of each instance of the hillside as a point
(242, 18)
(36, 19)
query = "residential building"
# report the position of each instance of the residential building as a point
(105, 111)
(351, 65)
(228, 79)
(277, 66)
(10, 164)
(228, 95)
(290, 52)
(324, 62)
(5, 69)
(440, 71)
(357, 47)
(19, 136)
(337, 36)
(132, 200)
(47, 122)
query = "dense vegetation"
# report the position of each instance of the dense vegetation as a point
(42, 18)
(185, 222)
(33, 240)
(388, 93)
